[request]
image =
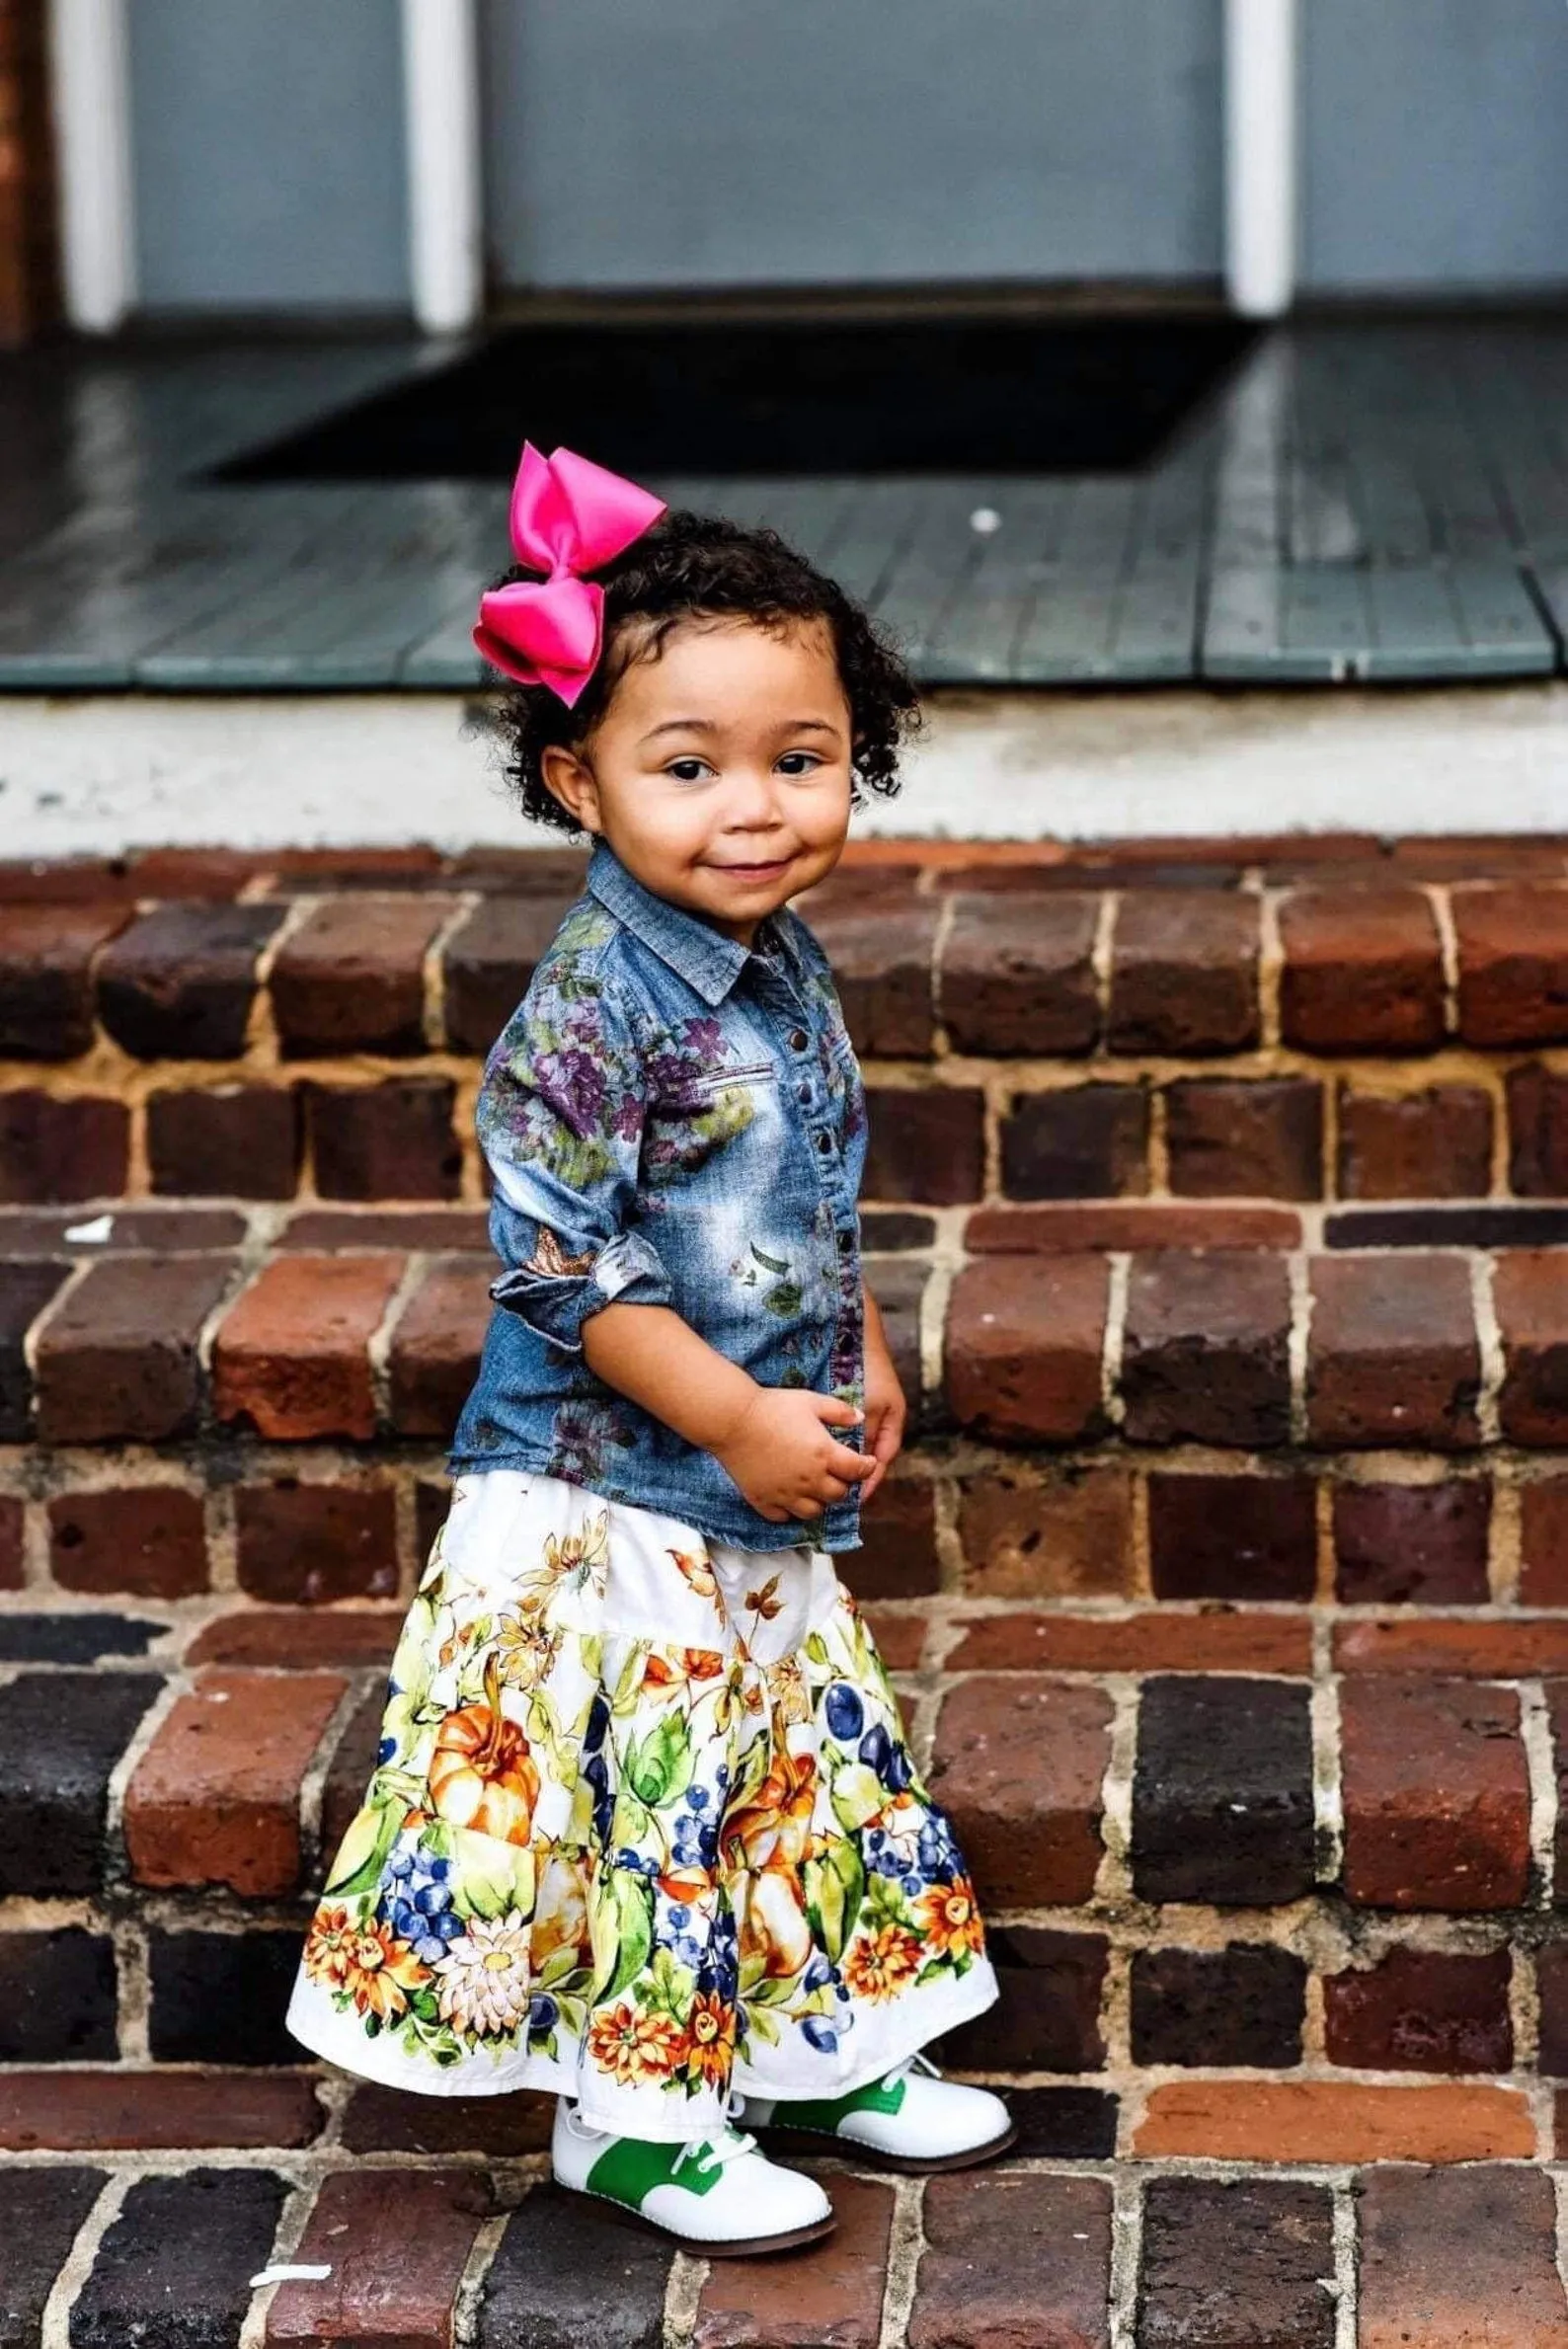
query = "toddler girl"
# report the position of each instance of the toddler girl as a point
(644, 1828)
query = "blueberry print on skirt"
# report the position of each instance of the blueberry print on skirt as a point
(642, 1827)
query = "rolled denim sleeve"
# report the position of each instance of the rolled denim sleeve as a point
(560, 1122)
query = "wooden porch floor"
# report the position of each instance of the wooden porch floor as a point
(1380, 500)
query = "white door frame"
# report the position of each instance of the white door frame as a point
(1260, 140)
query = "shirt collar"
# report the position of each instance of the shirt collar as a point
(705, 957)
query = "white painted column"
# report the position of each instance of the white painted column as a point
(441, 89)
(1260, 156)
(89, 90)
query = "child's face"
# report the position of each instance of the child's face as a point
(720, 772)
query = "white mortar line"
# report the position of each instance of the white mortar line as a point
(905, 2243)
(947, 915)
(682, 2292)
(1113, 1879)
(54, 2331)
(433, 970)
(1534, 1728)
(313, 1783)
(1346, 2313)
(1328, 1802)
(469, 2299)
(1442, 904)
(291, 2221)
(378, 1349)
(1489, 1342)
(1120, 1265)
(1295, 1265)
(1127, 2243)
(1102, 952)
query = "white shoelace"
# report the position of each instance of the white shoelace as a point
(914, 2063)
(711, 2152)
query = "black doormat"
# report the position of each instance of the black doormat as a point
(785, 396)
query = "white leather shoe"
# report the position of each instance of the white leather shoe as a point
(910, 2118)
(718, 2191)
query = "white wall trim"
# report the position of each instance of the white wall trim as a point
(89, 87)
(440, 97)
(1260, 105)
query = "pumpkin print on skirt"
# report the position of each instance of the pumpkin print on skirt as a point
(644, 1829)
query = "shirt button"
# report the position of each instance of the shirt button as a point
(799, 1040)
(825, 1142)
(846, 1240)
(803, 1092)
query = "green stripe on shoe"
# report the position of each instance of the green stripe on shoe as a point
(629, 2169)
(829, 2111)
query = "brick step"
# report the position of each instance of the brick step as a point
(1293, 1021)
(423, 2251)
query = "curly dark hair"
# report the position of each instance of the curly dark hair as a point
(693, 566)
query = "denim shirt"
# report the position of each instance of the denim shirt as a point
(669, 1118)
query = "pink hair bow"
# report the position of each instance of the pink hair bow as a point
(568, 516)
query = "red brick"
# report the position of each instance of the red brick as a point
(1483, 1647)
(1464, 856)
(1245, 1138)
(1513, 964)
(46, 977)
(116, 1359)
(1048, 2017)
(11, 1524)
(459, 1229)
(1537, 1126)
(74, 1148)
(352, 977)
(58, 2110)
(308, 1543)
(230, 1141)
(1136, 1226)
(380, 2120)
(1018, 975)
(1233, 1537)
(1530, 1294)
(1151, 1640)
(1504, 2290)
(306, 869)
(385, 1141)
(436, 1346)
(1206, 1350)
(1019, 1763)
(1078, 1141)
(1029, 1535)
(211, 873)
(1543, 1543)
(290, 1637)
(1025, 1338)
(897, 1557)
(488, 962)
(160, 1230)
(1326, 2119)
(899, 1633)
(396, 2242)
(927, 1143)
(533, 872)
(1183, 973)
(1014, 2260)
(1436, 1793)
(1436, 1144)
(1422, 2010)
(828, 2293)
(291, 1356)
(1551, 1984)
(881, 946)
(1362, 971)
(215, 1797)
(1420, 1542)
(179, 984)
(147, 1540)
(1392, 1352)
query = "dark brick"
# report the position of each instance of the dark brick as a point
(1206, 1350)
(61, 1734)
(1048, 2017)
(160, 1230)
(1530, 1294)
(488, 962)
(302, 870)
(180, 982)
(117, 1359)
(1362, 971)
(1086, 1141)
(927, 1143)
(1245, 1138)
(392, 1140)
(435, 1347)
(1241, 2264)
(1538, 1130)
(12, 1532)
(381, 2120)
(352, 977)
(1064, 2124)
(894, 1228)
(174, 2268)
(1422, 2010)
(462, 1231)
(1018, 975)
(1513, 964)
(304, 1544)
(1436, 1793)
(230, 1141)
(546, 2286)
(24, 1290)
(1241, 2004)
(1183, 973)
(74, 1148)
(220, 1998)
(1392, 1354)
(353, 1758)
(1420, 1542)
(1436, 1144)
(1013, 2257)
(532, 872)
(45, 978)
(899, 1289)
(1223, 1792)
(1470, 1226)
(146, 1538)
(40, 2212)
(880, 948)
(1233, 1537)
(1552, 1978)
(1063, 1534)
(898, 1556)
(430, 1505)
(59, 2001)
(76, 1637)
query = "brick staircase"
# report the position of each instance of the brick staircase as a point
(1218, 1201)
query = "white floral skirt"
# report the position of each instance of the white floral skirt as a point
(644, 1826)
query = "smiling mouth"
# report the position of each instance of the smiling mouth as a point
(775, 864)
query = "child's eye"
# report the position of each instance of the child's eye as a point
(799, 762)
(688, 770)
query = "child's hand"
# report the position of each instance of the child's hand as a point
(782, 1455)
(886, 1411)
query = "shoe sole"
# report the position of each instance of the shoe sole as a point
(780, 2137)
(747, 2247)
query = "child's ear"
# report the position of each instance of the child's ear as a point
(564, 774)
